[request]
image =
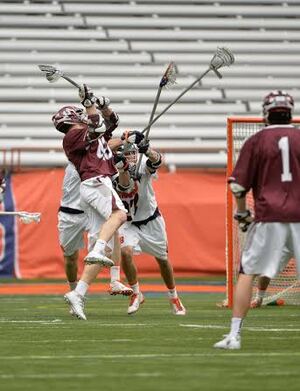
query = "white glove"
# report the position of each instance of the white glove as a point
(86, 96)
(102, 102)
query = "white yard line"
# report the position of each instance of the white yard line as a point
(151, 356)
(210, 326)
(78, 375)
(73, 340)
(47, 376)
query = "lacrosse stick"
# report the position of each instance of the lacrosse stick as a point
(53, 74)
(222, 57)
(168, 79)
(25, 217)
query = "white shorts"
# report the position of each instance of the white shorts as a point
(150, 238)
(268, 248)
(98, 200)
(71, 228)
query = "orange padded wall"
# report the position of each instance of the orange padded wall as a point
(193, 204)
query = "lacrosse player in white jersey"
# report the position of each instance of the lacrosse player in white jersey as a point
(145, 229)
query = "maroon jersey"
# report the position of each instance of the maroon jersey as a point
(269, 164)
(91, 158)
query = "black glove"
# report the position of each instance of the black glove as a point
(87, 96)
(102, 102)
(143, 146)
(133, 136)
(244, 219)
(121, 162)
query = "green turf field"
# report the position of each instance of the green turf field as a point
(43, 348)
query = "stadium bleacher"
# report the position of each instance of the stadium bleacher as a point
(121, 48)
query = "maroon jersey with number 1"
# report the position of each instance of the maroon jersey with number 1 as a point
(269, 164)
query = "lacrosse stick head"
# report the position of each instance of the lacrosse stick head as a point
(52, 73)
(222, 57)
(27, 217)
(169, 77)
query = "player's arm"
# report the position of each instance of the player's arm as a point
(96, 122)
(242, 214)
(154, 160)
(115, 143)
(94, 105)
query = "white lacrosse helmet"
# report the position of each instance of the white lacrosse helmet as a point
(130, 151)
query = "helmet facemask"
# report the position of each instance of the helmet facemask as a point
(278, 107)
(131, 154)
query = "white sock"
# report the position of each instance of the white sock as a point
(261, 293)
(135, 288)
(236, 325)
(114, 273)
(100, 246)
(82, 287)
(172, 293)
(72, 284)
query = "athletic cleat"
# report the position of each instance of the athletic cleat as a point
(177, 306)
(118, 288)
(135, 300)
(94, 257)
(256, 303)
(76, 303)
(229, 342)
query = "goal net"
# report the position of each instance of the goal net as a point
(286, 285)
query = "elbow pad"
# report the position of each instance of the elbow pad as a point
(96, 124)
(237, 190)
(112, 122)
(153, 166)
(125, 189)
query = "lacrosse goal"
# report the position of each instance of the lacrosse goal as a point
(285, 285)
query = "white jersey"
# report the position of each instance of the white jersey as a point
(146, 203)
(71, 188)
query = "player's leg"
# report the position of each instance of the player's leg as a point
(71, 230)
(258, 258)
(153, 241)
(116, 287)
(166, 271)
(71, 268)
(241, 305)
(262, 286)
(103, 203)
(94, 261)
(76, 298)
(130, 270)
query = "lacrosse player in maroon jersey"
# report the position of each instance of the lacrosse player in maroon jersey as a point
(85, 145)
(72, 224)
(145, 230)
(269, 164)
